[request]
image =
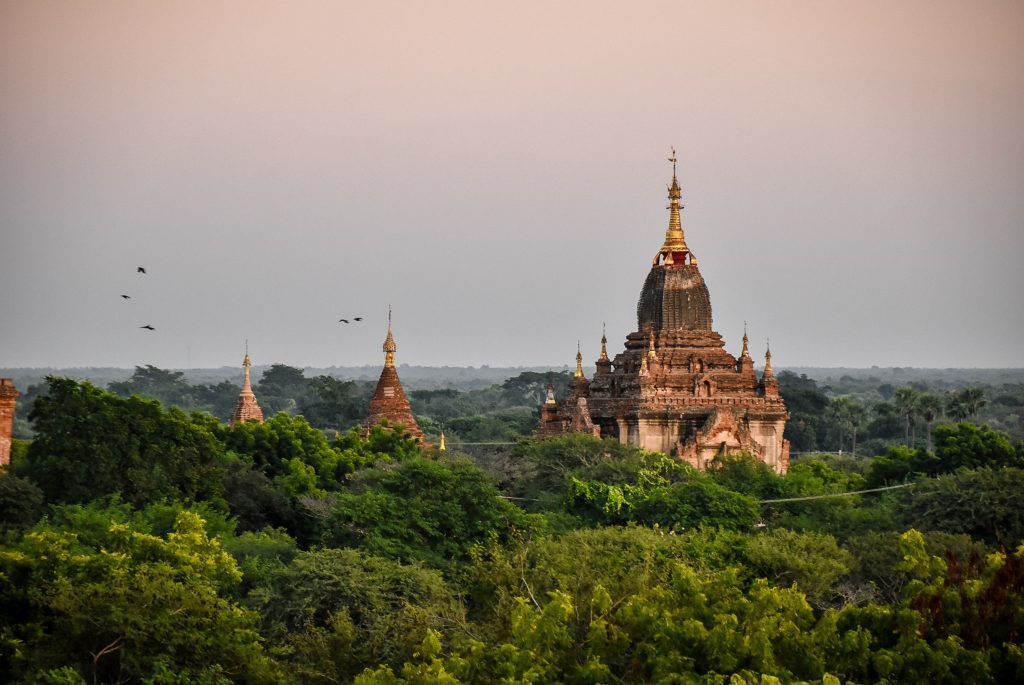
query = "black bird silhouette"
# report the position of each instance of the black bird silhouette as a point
(127, 297)
(141, 270)
(358, 318)
(148, 327)
(340, 320)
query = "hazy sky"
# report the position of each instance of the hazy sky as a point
(853, 175)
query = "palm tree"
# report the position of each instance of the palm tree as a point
(930, 408)
(906, 401)
(967, 403)
(846, 415)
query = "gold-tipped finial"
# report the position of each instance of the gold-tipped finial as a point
(389, 344)
(579, 361)
(744, 353)
(768, 359)
(674, 247)
(246, 363)
(441, 447)
(604, 344)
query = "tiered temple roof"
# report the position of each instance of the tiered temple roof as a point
(246, 408)
(674, 388)
(389, 402)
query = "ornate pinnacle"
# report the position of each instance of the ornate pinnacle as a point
(441, 447)
(604, 345)
(389, 344)
(246, 363)
(675, 242)
(650, 350)
(744, 353)
(551, 394)
(768, 360)
(579, 361)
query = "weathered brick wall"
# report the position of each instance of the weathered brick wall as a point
(8, 401)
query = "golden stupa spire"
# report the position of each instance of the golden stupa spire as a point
(389, 344)
(246, 363)
(768, 360)
(604, 344)
(441, 447)
(744, 353)
(674, 248)
(579, 361)
(551, 394)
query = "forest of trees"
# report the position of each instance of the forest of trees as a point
(146, 541)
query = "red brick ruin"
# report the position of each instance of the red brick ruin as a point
(389, 402)
(8, 401)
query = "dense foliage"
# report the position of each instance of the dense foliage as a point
(143, 544)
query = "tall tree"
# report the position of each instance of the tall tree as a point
(906, 401)
(929, 406)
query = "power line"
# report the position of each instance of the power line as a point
(836, 494)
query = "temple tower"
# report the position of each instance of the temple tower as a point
(674, 388)
(8, 402)
(389, 402)
(246, 408)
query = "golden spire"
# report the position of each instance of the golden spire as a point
(441, 446)
(604, 345)
(389, 344)
(744, 353)
(643, 364)
(650, 350)
(246, 363)
(675, 242)
(768, 360)
(579, 361)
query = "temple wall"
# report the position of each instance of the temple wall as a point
(8, 400)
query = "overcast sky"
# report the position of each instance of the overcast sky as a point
(853, 175)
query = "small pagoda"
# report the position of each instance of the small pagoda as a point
(246, 408)
(389, 403)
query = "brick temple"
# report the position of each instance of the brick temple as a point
(8, 403)
(674, 388)
(389, 402)
(246, 408)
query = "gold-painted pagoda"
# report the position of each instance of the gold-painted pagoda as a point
(674, 388)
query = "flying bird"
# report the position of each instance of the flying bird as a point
(148, 327)
(358, 318)
(141, 270)
(127, 297)
(342, 320)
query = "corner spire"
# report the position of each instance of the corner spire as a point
(768, 360)
(674, 250)
(389, 344)
(745, 352)
(650, 349)
(604, 344)
(579, 361)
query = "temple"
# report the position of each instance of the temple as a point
(246, 408)
(674, 388)
(389, 402)
(8, 403)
